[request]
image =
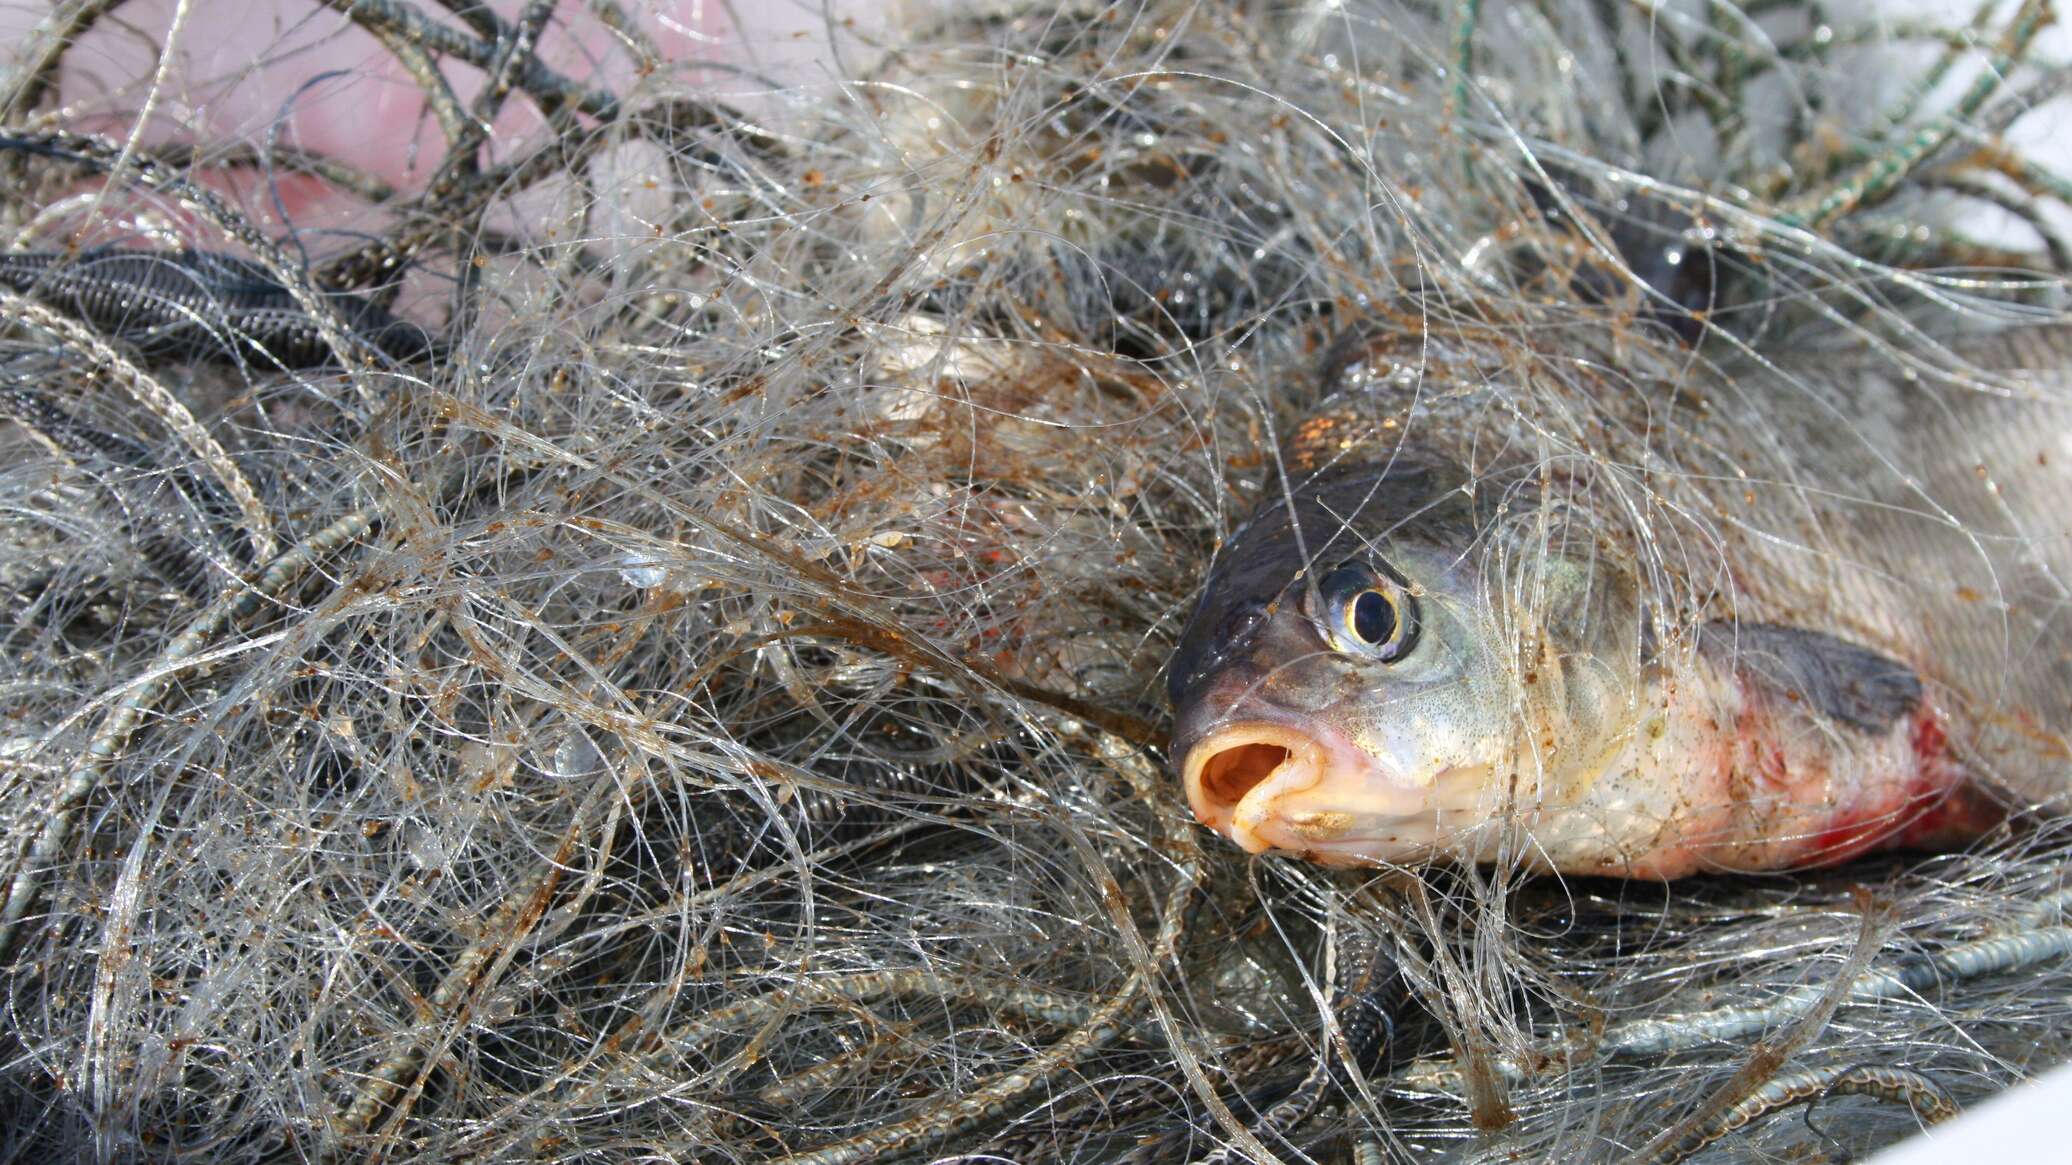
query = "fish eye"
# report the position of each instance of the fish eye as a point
(1370, 613)
(1371, 617)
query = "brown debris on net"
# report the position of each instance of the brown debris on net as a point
(708, 706)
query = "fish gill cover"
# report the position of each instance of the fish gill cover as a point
(566, 598)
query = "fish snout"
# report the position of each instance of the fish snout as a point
(1307, 790)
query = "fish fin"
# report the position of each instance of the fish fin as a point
(1833, 677)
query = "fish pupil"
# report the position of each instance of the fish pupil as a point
(1373, 617)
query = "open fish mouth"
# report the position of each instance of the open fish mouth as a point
(1244, 767)
(1268, 786)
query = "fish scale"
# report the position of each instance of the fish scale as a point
(1942, 540)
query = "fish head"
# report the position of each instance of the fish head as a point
(1362, 701)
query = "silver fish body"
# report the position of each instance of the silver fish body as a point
(1646, 621)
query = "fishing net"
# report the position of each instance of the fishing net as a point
(620, 613)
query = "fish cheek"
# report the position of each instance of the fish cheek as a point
(1315, 685)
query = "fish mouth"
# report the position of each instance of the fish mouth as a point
(1245, 782)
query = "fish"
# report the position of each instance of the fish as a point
(1571, 601)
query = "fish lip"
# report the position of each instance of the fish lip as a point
(1310, 754)
(1329, 800)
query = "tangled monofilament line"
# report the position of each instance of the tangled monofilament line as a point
(696, 694)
